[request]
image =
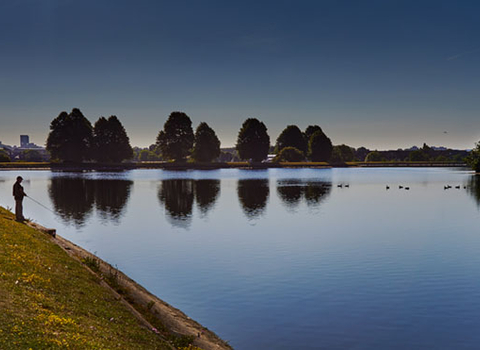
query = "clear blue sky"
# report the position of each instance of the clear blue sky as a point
(381, 74)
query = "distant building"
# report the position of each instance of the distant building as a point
(25, 150)
(24, 141)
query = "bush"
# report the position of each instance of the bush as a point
(374, 156)
(31, 156)
(289, 154)
(4, 157)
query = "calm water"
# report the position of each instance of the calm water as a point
(285, 259)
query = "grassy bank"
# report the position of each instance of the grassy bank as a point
(49, 300)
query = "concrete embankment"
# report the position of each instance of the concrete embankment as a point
(54, 294)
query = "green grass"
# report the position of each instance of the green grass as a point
(50, 301)
(22, 164)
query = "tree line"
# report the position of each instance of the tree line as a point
(72, 138)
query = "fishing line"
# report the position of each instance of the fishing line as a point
(44, 206)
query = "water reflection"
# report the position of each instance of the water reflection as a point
(474, 188)
(291, 192)
(253, 196)
(178, 195)
(74, 198)
(111, 196)
(206, 194)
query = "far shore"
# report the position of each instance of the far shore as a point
(211, 166)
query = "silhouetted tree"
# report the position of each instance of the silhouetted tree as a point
(253, 195)
(319, 147)
(206, 194)
(4, 157)
(207, 144)
(291, 136)
(176, 139)
(289, 154)
(253, 141)
(110, 141)
(70, 137)
(309, 131)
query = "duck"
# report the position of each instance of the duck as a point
(387, 187)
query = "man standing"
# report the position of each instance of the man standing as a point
(18, 194)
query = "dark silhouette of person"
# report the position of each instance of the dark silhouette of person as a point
(18, 194)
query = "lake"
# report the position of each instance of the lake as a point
(285, 258)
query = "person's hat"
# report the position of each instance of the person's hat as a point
(19, 178)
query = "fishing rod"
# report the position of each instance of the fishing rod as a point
(44, 206)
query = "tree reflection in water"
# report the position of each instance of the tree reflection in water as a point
(111, 196)
(291, 192)
(206, 194)
(178, 196)
(473, 188)
(253, 195)
(74, 198)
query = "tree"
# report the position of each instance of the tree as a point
(310, 130)
(291, 136)
(374, 156)
(146, 155)
(319, 147)
(31, 155)
(289, 154)
(343, 153)
(473, 159)
(253, 141)
(70, 137)
(207, 144)
(176, 139)
(418, 156)
(4, 157)
(110, 141)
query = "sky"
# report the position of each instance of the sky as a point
(381, 74)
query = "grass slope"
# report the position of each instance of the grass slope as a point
(50, 301)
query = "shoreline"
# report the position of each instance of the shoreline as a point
(81, 167)
(141, 303)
